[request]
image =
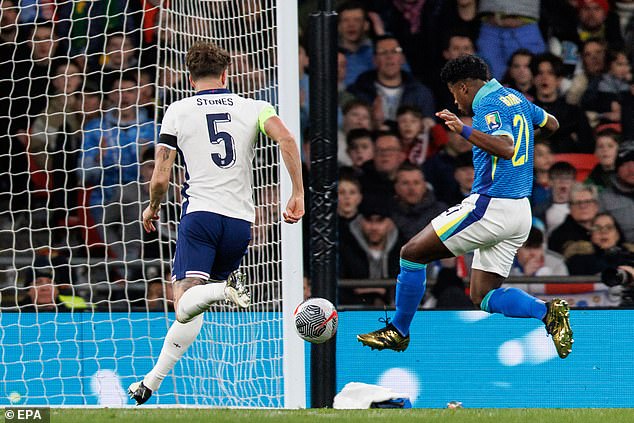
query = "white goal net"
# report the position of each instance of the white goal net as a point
(84, 290)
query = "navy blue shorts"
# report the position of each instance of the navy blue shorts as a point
(209, 246)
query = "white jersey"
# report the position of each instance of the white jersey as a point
(215, 132)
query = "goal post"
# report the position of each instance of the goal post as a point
(81, 123)
(292, 260)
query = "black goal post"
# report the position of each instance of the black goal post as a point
(322, 49)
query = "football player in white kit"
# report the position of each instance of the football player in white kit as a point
(215, 132)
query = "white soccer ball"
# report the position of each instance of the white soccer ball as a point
(316, 320)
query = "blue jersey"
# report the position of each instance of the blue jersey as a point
(504, 111)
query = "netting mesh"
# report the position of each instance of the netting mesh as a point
(83, 87)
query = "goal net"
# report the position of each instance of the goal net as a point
(85, 292)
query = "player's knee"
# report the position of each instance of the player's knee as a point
(476, 297)
(408, 252)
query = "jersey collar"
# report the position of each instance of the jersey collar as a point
(214, 91)
(491, 86)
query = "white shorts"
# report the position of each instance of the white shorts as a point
(494, 227)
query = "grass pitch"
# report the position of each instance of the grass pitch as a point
(189, 415)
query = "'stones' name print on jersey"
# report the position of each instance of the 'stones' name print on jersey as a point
(223, 101)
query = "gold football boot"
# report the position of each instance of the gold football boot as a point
(385, 338)
(558, 326)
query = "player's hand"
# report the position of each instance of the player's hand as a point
(451, 120)
(294, 209)
(149, 215)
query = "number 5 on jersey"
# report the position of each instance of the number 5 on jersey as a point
(221, 137)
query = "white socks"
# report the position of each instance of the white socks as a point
(178, 339)
(198, 299)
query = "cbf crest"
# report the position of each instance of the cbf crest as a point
(493, 121)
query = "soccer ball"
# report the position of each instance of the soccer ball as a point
(316, 320)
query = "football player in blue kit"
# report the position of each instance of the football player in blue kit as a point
(493, 221)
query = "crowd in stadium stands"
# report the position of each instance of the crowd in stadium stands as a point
(77, 114)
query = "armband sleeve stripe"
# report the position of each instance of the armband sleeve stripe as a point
(266, 113)
(168, 140)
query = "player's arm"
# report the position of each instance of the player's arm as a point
(498, 145)
(275, 129)
(163, 161)
(550, 126)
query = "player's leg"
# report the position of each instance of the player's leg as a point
(236, 236)
(203, 241)
(511, 302)
(179, 338)
(492, 264)
(426, 246)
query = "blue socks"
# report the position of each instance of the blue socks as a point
(513, 302)
(410, 288)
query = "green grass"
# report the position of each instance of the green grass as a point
(142, 415)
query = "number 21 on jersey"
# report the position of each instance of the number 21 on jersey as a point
(522, 137)
(221, 137)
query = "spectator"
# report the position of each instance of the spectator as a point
(47, 276)
(420, 141)
(456, 44)
(606, 149)
(595, 21)
(92, 101)
(360, 148)
(343, 96)
(353, 26)
(373, 253)
(440, 169)
(618, 199)
(139, 247)
(531, 258)
(377, 180)
(31, 76)
(349, 197)
(592, 20)
(416, 204)
(120, 54)
(624, 9)
(356, 114)
(584, 206)
(506, 27)
(85, 26)
(389, 87)
(110, 156)
(518, 73)
(602, 100)
(593, 54)
(561, 178)
(54, 143)
(543, 159)
(606, 248)
(419, 26)
(574, 134)
(463, 174)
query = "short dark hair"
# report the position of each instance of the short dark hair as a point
(562, 169)
(407, 108)
(467, 66)
(352, 5)
(355, 134)
(206, 59)
(555, 61)
(352, 104)
(409, 167)
(535, 238)
(386, 36)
